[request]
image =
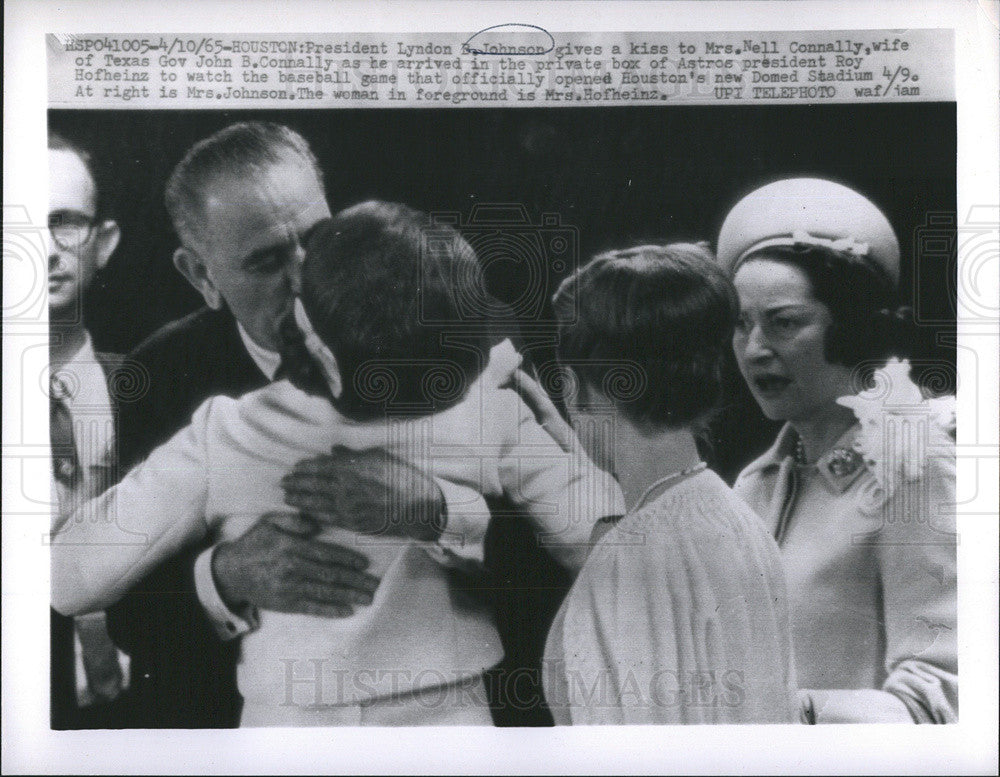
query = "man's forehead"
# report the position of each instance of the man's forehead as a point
(70, 184)
(249, 212)
(275, 195)
(287, 176)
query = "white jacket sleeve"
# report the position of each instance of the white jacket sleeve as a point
(918, 565)
(111, 542)
(564, 494)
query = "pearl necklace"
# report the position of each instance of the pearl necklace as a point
(679, 475)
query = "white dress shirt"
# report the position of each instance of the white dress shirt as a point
(86, 398)
(85, 394)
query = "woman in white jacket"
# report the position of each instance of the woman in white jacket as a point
(369, 367)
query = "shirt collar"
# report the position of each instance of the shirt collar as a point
(782, 448)
(503, 362)
(268, 361)
(840, 466)
(85, 354)
(84, 380)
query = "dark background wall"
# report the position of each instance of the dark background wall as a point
(618, 175)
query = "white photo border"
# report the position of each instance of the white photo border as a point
(967, 747)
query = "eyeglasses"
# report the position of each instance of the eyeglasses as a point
(70, 229)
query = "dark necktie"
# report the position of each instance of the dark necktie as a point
(65, 462)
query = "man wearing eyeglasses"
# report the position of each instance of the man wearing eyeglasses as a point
(82, 241)
(88, 673)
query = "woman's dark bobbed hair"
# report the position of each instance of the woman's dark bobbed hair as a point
(867, 325)
(650, 326)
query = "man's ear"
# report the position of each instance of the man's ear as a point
(191, 266)
(108, 236)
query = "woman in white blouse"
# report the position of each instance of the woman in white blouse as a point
(679, 614)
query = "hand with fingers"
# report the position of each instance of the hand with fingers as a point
(545, 411)
(372, 492)
(280, 564)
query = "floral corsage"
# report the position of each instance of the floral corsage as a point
(900, 427)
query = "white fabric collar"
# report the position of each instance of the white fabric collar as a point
(268, 361)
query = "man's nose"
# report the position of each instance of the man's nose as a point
(55, 255)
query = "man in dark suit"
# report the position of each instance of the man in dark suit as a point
(242, 202)
(87, 672)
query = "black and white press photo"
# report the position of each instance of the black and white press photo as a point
(711, 305)
(509, 381)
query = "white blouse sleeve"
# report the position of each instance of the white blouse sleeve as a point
(111, 542)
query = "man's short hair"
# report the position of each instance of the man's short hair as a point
(240, 151)
(668, 312)
(102, 207)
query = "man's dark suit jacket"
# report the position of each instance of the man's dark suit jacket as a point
(182, 674)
